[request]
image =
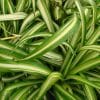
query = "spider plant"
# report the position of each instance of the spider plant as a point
(49, 49)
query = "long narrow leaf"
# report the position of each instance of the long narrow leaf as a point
(59, 37)
(28, 19)
(6, 91)
(84, 80)
(86, 65)
(91, 47)
(66, 94)
(27, 66)
(45, 14)
(51, 80)
(14, 16)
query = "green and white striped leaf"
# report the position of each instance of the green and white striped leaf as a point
(56, 39)
(34, 67)
(48, 83)
(84, 80)
(91, 47)
(28, 19)
(64, 93)
(6, 91)
(14, 16)
(45, 14)
(90, 64)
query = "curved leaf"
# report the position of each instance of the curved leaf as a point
(86, 65)
(28, 19)
(92, 40)
(14, 16)
(48, 83)
(6, 91)
(45, 14)
(21, 93)
(83, 20)
(20, 5)
(91, 47)
(33, 67)
(11, 47)
(66, 94)
(56, 39)
(90, 93)
(32, 31)
(84, 80)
